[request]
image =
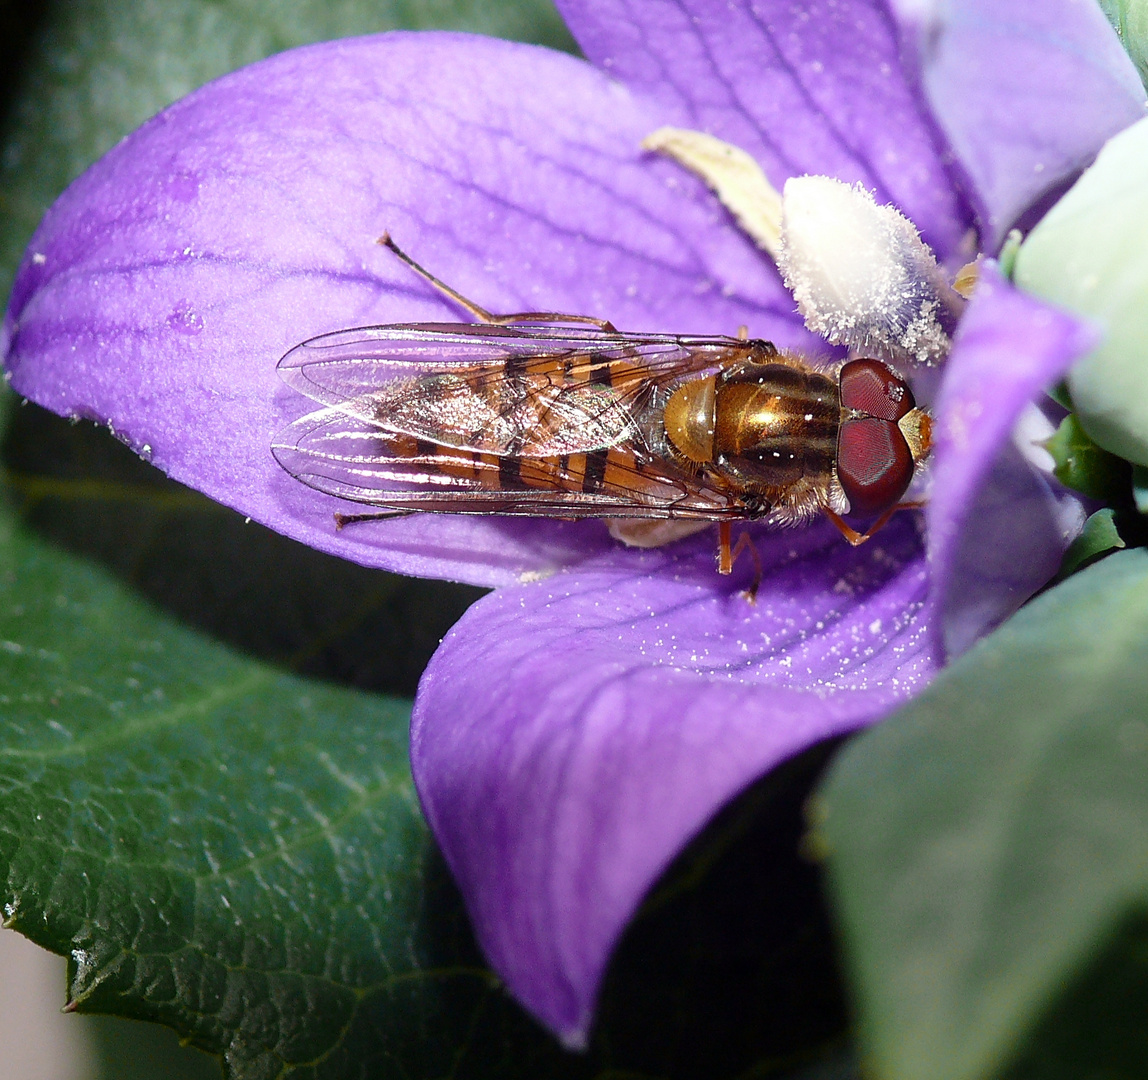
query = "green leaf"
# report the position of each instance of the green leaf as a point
(215, 843)
(1098, 537)
(118, 803)
(261, 593)
(1130, 20)
(1083, 466)
(229, 849)
(988, 849)
(1090, 255)
(96, 69)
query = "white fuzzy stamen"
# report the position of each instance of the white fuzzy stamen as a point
(861, 275)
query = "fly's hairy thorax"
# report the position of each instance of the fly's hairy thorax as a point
(765, 429)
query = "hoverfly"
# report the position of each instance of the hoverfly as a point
(563, 416)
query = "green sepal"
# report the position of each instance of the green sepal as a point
(1060, 394)
(1100, 536)
(1129, 18)
(1083, 466)
(1006, 260)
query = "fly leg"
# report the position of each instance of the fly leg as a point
(342, 520)
(479, 312)
(725, 556)
(857, 539)
(728, 555)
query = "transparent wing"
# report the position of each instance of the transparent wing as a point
(336, 452)
(347, 364)
(521, 390)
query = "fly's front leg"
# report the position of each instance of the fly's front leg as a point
(725, 556)
(479, 312)
(728, 555)
(856, 538)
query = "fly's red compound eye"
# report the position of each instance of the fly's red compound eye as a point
(868, 386)
(874, 464)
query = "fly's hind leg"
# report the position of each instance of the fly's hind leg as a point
(856, 538)
(343, 520)
(479, 312)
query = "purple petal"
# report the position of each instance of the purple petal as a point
(806, 88)
(165, 284)
(997, 528)
(571, 735)
(1026, 92)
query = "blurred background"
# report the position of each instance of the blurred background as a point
(39, 1042)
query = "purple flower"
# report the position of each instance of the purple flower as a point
(586, 719)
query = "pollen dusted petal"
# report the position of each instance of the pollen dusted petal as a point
(814, 87)
(572, 735)
(996, 527)
(1026, 93)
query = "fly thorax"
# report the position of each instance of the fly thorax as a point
(689, 419)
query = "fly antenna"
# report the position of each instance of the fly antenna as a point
(479, 312)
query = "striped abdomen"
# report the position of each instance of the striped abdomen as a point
(573, 424)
